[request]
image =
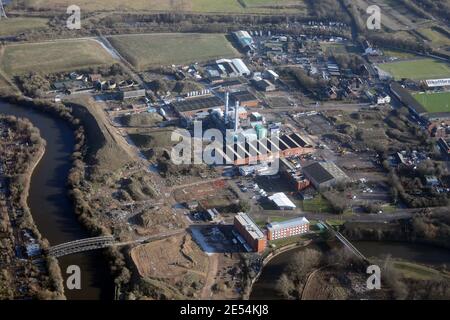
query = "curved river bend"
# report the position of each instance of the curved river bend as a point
(51, 207)
(264, 287)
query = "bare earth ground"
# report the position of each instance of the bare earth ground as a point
(174, 260)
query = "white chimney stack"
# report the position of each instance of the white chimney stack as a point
(227, 105)
(236, 117)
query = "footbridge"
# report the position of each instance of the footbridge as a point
(96, 243)
(81, 246)
(344, 241)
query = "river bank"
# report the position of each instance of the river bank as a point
(49, 201)
(18, 164)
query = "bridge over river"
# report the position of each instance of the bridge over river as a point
(102, 242)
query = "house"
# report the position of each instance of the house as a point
(94, 77)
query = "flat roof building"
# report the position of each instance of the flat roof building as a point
(288, 228)
(191, 106)
(250, 232)
(282, 201)
(245, 98)
(244, 40)
(132, 94)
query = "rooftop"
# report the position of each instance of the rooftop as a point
(249, 226)
(288, 223)
(324, 171)
(200, 103)
(281, 200)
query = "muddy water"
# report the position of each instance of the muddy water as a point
(51, 207)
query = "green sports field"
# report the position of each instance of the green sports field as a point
(419, 69)
(145, 51)
(434, 102)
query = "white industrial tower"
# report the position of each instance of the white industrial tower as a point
(2, 10)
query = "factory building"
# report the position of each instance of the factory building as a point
(252, 235)
(132, 94)
(244, 39)
(289, 228)
(245, 98)
(194, 105)
(245, 151)
(233, 68)
(282, 201)
(324, 174)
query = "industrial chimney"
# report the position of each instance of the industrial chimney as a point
(227, 105)
(236, 117)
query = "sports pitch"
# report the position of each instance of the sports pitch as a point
(434, 102)
(145, 51)
(419, 69)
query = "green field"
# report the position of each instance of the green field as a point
(14, 26)
(53, 57)
(437, 38)
(434, 102)
(398, 54)
(419, 69)
(419, 272)
(317, 205)
(221, 6)
(144, 51)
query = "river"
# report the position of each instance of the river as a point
(52, 209)
(264, 287)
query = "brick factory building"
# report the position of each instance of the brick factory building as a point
(245, 98)
(264, 149)
(288, 228)
(254, 237)
(190, 106)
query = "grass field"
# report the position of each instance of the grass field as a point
(317, 205)
(419, 69)
(53, 57)
(14, 26)
(437, 38)
(222, 6)
(398, 54)
(419, 272)
(434, 102)
(144, 51)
